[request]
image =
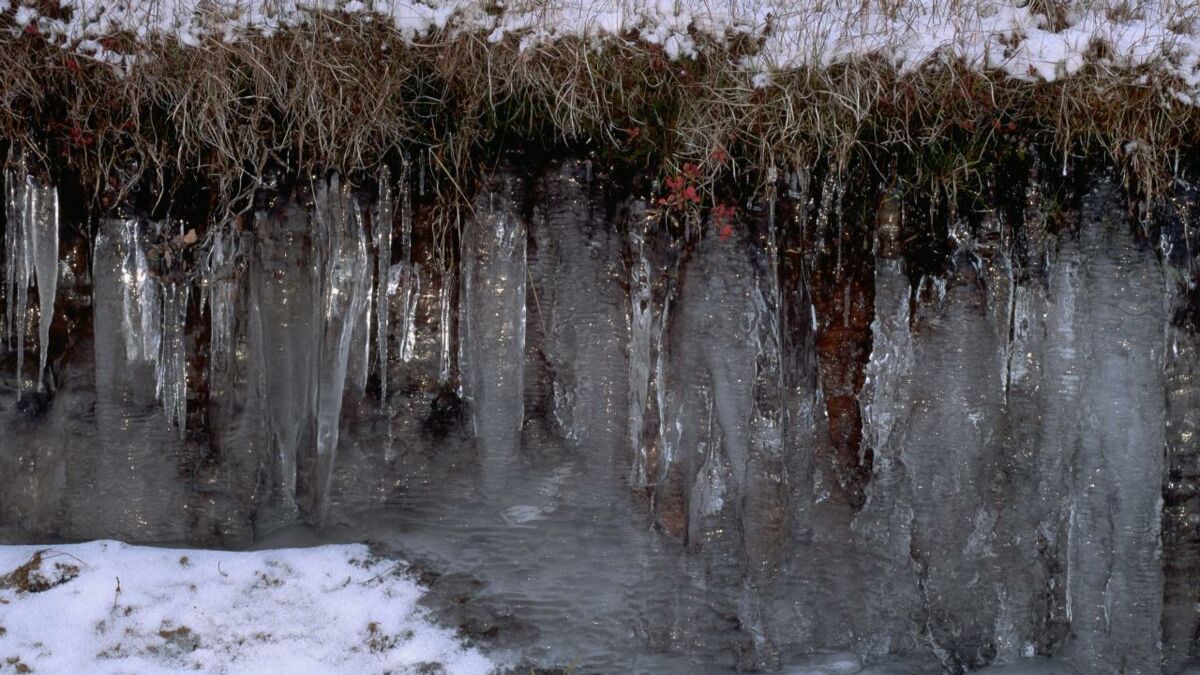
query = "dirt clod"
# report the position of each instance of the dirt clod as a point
(35, 577)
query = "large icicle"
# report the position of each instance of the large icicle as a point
(652, 278)
(284, 299)
(381, 222)
(134, 459)
(883, 525)
(1115, 577)
(222, 269)
(445, 353)
(950, 456)
(345, 295)
(641, 339)
(577, 290)
(31, 245)
(1181, 479)
(765, 526)
(141, 306)
(410, 287)
(171, 365)
(492, 320)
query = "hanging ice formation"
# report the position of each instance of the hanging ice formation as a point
(344, 280)
(153, 311)
(641, 340)
(406, 275)
(381, 222)
(492, 319)
(221, 277)
(31, 251)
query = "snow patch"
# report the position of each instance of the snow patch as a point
(986, 34)
(158, 610)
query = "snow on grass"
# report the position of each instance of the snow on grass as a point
(115, 608)
(1011, 36)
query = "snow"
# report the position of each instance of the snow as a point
(1006, 35)
(158, 610)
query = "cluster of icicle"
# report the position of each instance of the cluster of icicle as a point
(153, 310)
(321, 284)
(316, 341)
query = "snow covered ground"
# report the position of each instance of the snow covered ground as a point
(1011, 36)
(108, 607)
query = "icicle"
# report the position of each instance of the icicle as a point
(170, 370)
(152, 314)
(345, 294)
(766, 424)
(12, 247)
(641, 319)
(444, 336)
(31, 245)
(24, 275)
(42, 225)
(141, 323)
(285, 298)
(221, 288)
(382, 222)
(421, 172)
(412, 293)
(492, 320)
(411, 287)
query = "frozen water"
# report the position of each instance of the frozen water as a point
(629, 474)
(344, 283)
(492, 315)
(31, 246)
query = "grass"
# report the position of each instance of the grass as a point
(345, 92)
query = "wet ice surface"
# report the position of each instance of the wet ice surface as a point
(630, 482)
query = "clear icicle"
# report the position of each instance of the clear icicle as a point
(284, 301)
(641, 337)
(412, 293)
(24, 274)
(382, 222)
(153, 315)
(345, 294)
(42, 227)
(141, 308)
(766, 425)
(31, 245)
(652, 440)
(170, 371)
(411, 287)
(444, 337)
(221, 273)
(492, 321)
(12, 248)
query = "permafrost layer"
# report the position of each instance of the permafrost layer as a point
(1005, 471)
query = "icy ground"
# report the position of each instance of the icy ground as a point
(107, 607)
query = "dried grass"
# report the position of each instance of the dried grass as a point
(340, 92)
